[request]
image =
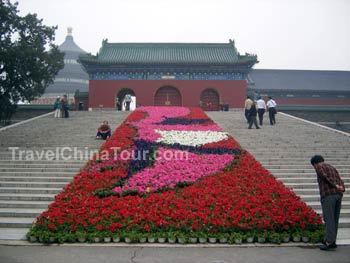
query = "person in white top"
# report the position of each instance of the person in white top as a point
(247, 105)
(272, 106)
(127, 101)
(261, 105)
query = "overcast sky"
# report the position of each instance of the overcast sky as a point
(285, 34)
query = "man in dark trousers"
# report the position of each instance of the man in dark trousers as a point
(252, 116)
(331, 190)
(271, 105)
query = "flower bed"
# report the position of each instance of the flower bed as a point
(170, 172)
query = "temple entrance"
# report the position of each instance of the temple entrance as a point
(210, 100)
(125, 100)
(168, 96)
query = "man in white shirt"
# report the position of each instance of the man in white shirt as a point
(261, 105)
(127, 102)
(271, 105)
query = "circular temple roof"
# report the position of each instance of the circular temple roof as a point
(72, 77)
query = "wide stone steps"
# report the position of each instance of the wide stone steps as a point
(342, 171)
(300, 174)
(295, 161)
(301, 166)
(30, 177)
(41, 166)
(307, 185)
(30, 190)
(33, 179)
(16, 222)
(285, 150)
(27, 197)
(20, 212)
(36, 170)
(309, 191)
(316, 197)
(46, 174)
(305, 175)
(298, 179)
(59, 163)
(317, 205)
(31, 185)
(24, 204)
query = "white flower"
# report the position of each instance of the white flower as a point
(190, 138)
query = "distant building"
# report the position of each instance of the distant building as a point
(71, 78)
(293, 88)
(168, 74)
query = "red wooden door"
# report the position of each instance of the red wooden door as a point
(168, 96)
(210, 99)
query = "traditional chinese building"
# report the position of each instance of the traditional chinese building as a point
(173, 74)
(311, 88)
(68, 80)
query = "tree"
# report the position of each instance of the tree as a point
(29, 60)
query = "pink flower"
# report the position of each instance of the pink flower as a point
(173, 167)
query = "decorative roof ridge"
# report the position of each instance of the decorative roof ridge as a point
(304, 70)
(169, 53)
(186, 44)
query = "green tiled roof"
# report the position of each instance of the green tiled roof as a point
(168, 54)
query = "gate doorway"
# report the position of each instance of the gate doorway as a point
(168, 96)
(120, 103)
(210, 100)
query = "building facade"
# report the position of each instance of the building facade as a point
(302, 88)
(168, 74)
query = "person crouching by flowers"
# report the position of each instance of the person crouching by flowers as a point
(104, 131)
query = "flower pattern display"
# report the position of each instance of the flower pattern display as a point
(173, 169)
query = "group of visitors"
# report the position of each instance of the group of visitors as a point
(61, 107)
(257, 106)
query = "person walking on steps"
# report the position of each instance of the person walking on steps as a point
(247, 105)
(261, 105)
(271, 105)
(252, 117)
(331, 188)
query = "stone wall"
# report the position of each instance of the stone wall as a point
(24, 114)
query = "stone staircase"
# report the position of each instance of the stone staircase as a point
(28, 185)
(285, 150)
(53, 151)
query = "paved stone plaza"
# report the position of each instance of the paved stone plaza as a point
(170, 254)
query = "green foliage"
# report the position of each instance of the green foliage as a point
(29, 61)
(184, 184)
(135, 236)
(275, 237)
